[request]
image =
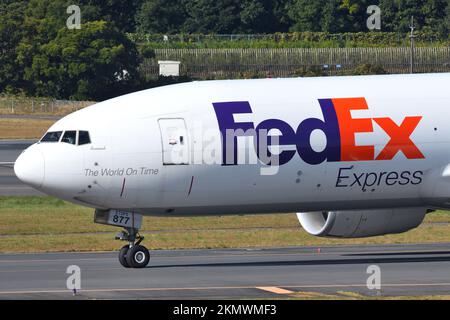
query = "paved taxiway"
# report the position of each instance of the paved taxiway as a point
(9, 184)
(231, 273)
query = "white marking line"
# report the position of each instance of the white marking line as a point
(276, 290)
(224, 288)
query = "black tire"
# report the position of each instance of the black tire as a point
(123, 256)
(138, 257)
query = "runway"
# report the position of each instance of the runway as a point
(9, 184)
(231, 273)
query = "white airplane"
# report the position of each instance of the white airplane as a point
(354, 156)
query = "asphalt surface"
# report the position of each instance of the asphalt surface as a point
(9, 184)
(411, 270)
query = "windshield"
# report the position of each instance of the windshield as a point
(83, 138)
(52, 136)
(69, 137)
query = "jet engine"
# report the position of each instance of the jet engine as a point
(361, 223)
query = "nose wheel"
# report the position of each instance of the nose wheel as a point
(133, 255)
(138, 257)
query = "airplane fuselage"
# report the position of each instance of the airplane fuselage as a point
(344, 143)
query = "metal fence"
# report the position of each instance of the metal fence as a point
(232, 63)
(238, 63)
(19, 105)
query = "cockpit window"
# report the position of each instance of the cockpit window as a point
(52, 136)
(69, 137)
(83, 138)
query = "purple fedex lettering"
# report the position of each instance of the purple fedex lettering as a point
(329, 126)
(301, 138)
(226, 110)
(287, 138)
(224, 113)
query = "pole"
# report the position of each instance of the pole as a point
(411, 37)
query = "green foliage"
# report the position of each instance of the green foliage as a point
(368, 69)
(350, 15)
(40, 56)
(146, 51)
(268, 16)
(11, 33)
(120, 13)
(161, 16)
(310, 71)
(212, 16)
(288, 40)
(45, 58)
(429, 15)
(90, 63)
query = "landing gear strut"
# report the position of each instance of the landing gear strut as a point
(132, 255)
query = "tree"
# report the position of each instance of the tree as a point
(41, 21)
(407, 9)
(333, 16)
(353, 14)
(11, 33)
(429, 15)
(434, 12)
(280, 12)
(447, 19)
(258, 16)
(161, 16)
(120, 13)
(329, 15)
(212, 16)
(306, 15)
(96, 62)
(388, 15)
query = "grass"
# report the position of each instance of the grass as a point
(45, 224)
(344, 295)
(23, 128)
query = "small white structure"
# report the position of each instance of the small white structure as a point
(169, 68)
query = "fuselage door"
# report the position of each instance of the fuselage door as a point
(174, 138)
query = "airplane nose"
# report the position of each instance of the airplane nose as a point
(30, 167)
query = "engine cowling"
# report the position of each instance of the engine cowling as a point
(361, 223)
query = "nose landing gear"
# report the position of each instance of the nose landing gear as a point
(132, 255)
